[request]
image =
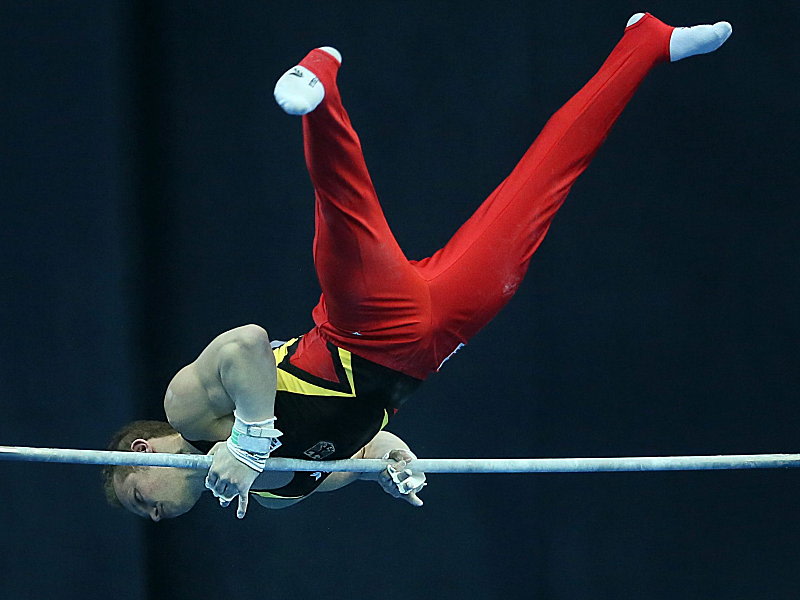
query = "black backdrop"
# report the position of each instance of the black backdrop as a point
(153, 195)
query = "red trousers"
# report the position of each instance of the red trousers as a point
(410, 316)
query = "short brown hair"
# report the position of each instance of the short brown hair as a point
(122, 440)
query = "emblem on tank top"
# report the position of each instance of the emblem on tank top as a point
(320, 450)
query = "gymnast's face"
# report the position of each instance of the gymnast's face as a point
(158, 492)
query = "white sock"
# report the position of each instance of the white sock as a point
(700, 39)
(634, 19)
(689, 41)
(299, 91)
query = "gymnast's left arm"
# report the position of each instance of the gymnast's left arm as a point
(399, 480)
(231, 386)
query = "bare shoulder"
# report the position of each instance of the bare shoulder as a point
(196, 401)
(187, 400)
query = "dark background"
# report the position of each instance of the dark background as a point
(153, 195)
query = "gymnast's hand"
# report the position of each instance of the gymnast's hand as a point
(399, 479)
(228, 478)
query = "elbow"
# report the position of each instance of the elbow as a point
(248, 340)
(251, 336)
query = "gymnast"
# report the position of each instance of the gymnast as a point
(383, 323)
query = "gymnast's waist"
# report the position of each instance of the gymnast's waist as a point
(314, 367)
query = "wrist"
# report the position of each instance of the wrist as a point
(255, 436)
(251, 442)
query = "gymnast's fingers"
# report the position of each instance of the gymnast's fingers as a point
(413, 499)
(243, 497)
(223, 491)
(390, 487)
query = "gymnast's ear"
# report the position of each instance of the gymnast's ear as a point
(140, 445)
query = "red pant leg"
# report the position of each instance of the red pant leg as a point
(479, 270)
(374, 303)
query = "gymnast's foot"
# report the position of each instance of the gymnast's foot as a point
(299, 91)
(689, 41)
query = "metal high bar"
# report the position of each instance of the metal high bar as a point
(428, 465)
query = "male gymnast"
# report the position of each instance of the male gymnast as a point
(383, 323)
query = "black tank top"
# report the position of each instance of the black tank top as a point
(329, 420)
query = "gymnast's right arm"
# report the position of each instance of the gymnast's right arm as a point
(400, 480)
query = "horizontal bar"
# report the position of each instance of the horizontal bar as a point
(428, 465)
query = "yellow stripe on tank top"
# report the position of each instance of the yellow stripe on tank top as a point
(290, 383)
(268, 495)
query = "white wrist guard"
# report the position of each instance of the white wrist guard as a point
(405, 480)
(251, 443)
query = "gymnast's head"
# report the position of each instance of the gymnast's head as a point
(152, 492)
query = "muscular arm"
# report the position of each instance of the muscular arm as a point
(236, 371)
